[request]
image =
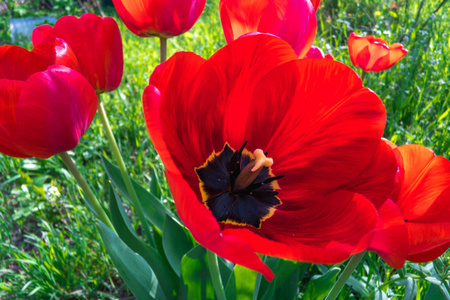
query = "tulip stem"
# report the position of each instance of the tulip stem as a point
(86, 189)
(123, 171)
(363, 75)
(163, 49)
(215, 275)
(339, 284)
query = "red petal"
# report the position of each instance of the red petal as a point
(17, 63)
(9, 94)
(377, 181)
(97, 45)
(294, 20)
(315, 3)
(170, 84)
(205, 229)
(390, 239)
(425, 188)
(428, 255)
(328, 232)
(427, 239)
(54, 110)
(240, 17)
(326, 128)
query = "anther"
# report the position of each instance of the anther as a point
(251, 171)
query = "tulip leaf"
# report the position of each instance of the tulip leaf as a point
(197, 283)
(410, 289)
(437, 292)
(241, 284)
(285, 282)
(155, 186)
(380, 295)
(154, 210)
(133, 269)
(166, 278)
(176, 242)
(320, 285)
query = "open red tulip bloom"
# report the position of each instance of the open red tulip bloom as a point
(263, 151)
(373, 54)
(96, 43)
(293, 20)
(422, 194)
(163, 18)
(44, 108)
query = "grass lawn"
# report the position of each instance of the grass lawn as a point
(49, 245)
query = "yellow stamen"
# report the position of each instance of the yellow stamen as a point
(251, 171)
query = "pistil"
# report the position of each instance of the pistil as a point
(251, 170)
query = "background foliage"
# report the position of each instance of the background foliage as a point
(50, 247)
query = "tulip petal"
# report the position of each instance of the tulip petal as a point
(425, 186)
(424, 237)
(9, 94)
(429, 255)
(390, 239)
(328, 232)
(321, 139)
(377, 181)
(294, 20)
(240, 17)
(169, 87)
(17, 63)
(206, 231)
(54, 110)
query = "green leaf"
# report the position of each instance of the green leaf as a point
(241, 284)
(197, 283)
(176, 242)
(437, 292)
(133, 269)
(410, 289)
(166, 277)
(154, 210)
(380, 295)
(358, 286)
(285, 282)
(320, 285)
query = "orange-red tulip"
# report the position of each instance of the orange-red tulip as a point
(163, 18)
(292, 20)
(96, 43)
(313, 201)
(373, 54)
(44, 109)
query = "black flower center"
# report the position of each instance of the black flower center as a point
(238, 187)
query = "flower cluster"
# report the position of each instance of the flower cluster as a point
(267, 150)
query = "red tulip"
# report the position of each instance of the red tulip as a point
(96, 43)
(292, 20)
(44, 109)
(316, 52)
(422, 194)
(373, 54)
(163, 18)
(320, 127)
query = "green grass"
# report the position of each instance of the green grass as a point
(49, 245)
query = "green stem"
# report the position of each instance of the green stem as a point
(123, 171)
(215, 275)
(86, 189)
(163, 49)
(339, 284)
(363, 75)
